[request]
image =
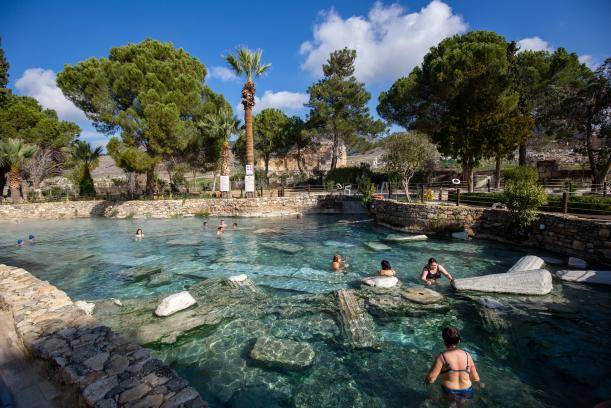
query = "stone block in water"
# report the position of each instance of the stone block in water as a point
(589, 276)
(174, 303)
(527, 263)
(381, 281)
(535, 282)
(577, 263)
(338, 244)
(552, 261)
(85, 306)
(238, 278)
(422, 296)
(287, 354)
(377, 246)
(283, 247)
(460, 235)
(357, 325)
(403, 238)
(159, 279)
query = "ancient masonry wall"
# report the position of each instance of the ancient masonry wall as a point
(101, 368)
(260, 207)
(567, 235)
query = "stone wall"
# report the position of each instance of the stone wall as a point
(99, 367)
(259, 207)
(564, 234)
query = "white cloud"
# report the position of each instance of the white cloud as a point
(290, 102)
(40, 84)
(389, 42)
(222, 73)
(588, 60)
(534, 44)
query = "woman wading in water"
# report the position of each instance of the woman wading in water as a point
(456, 367)
(432, 271)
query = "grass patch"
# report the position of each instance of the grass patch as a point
(202, 214)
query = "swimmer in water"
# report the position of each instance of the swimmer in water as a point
(139, 233)
(219, 231)
(234, 226)
(432, 271)
(456, 367)
(32, 239)
(205, 224)
(337, 265)
(386, 270)
(20, 242)
(222, 224)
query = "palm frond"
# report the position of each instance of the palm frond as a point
(234, 64)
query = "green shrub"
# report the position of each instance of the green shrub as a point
(129, 216)
(202, 214)
(350, 175)
(523, 197)
(365, 187)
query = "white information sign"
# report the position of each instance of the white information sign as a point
(225, 183)
(249, 184)
(250, 171)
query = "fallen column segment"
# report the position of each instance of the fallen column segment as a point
(356, 323)
(535, 282)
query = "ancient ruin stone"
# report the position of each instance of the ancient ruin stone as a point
(423, 296)
(536, 282)
(174, 303)
(287, 354)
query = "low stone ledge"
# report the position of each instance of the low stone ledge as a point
(100, 367)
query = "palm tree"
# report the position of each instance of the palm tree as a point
(13, 154)
(248, 63)
(221, 126)
(85, 160)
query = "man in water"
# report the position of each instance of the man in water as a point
(338, 265)
(432, 271)
(234, 226)
(222, 224)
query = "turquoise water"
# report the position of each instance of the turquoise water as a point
(548, 351)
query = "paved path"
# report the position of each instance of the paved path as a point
(26, 382)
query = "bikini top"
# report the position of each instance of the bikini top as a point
(431, 275)
(449, 369)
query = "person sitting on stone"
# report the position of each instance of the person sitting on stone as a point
(432, 271)
(338, 265)
(456, 367)
(386, 270)
(139, 233)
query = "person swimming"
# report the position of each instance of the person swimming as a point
(31, 239)
(222, 224)
(456, 367)
(139, 233)
(234, 226)
(219, 231)
(20, 242)
(205, 224)
(337, 265)
(432, 271)
(386, 270)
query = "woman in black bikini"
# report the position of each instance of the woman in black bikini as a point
(432, 271)
(456, 381)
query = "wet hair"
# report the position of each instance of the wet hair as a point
(235, 224)
(139, 231)
(336, 258)
(386, 265)
(432, 261)
(451, 336)
(19, 241)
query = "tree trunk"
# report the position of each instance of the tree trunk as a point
(497, 173)
(266, 170)
(299, 161)
(334, 152)
(467, 172)
(14, 183)
(248, 101)
(3, 173)
(522, 154)
(213, 181)
(599, 174)
(150, 181)
(405, 183)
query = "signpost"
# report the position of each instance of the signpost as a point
(225, 186)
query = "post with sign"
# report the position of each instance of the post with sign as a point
(225, 186)
(249, 181)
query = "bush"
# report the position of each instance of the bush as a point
(523, 197)
(350, 175)
(366, 188)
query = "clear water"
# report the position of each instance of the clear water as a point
(553, 351)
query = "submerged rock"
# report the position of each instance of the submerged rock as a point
(159, 279)
(381, 281)
(288, 354)
(536, 282)
(402, 238)
(377, 246)
(85, 306)
(357, 326)
(170, 328)
(265, 231)
(174, 303)
(338, 244)
(423, 296)
(460, 235)
(552, 261)
(589, 276)
(527, 263)
(238, 278)
(577, 263)
(492, 304)
(283, 246)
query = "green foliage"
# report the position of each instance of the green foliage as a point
(365, 187)
(270, 139)
(338, 104)
(84, 160)
(350, 175)
(463, 96)
(523, 197)
(202, 214)
(247, 62)
(4, 91)
(14, 153)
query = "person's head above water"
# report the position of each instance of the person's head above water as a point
(139, 231)
(20, 242)
(386, 265)
(336, 258)
(31, 237)
(235, 225)
(451, 336)
(432, 262)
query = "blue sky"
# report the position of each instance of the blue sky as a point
(391, 38)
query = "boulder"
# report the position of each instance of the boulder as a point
(492, 304)
(288, 354)
(577, 263)
(423, 296)
(527, 263)
(85, 306)
(377, 246)
(589, 276)
(402, 238)
(174, 303)
(238, 278)
(535, 282)
(460, 235)
(381, 281)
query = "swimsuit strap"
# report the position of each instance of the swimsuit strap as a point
(467, 355)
